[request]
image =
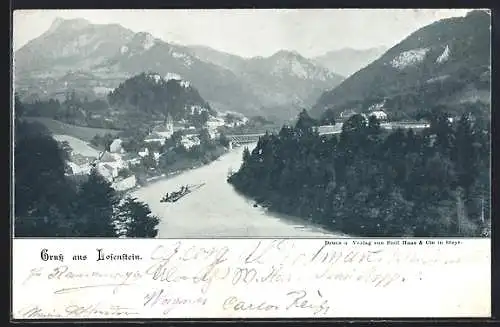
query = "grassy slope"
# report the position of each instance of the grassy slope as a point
(78, 145)
(83, 133)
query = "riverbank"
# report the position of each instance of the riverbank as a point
(216, 209)
(179, 167)
(289, 216)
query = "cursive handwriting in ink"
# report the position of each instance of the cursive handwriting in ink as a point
(159, 297)
(165, 254)
(35, 272)
(236, 304)
(115, 286)
(301, 300)
(257, 254)
(78, 310)
(167, 266)
(36, 312)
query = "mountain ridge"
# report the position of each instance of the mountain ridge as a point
(112, 53)
(346, 61)
(409, 76)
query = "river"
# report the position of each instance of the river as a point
(216, 209)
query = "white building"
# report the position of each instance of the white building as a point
(165, 134)
(76, 169)
(188, 141)
(347, 113)
(166, 129)
(329, 129)
(134, 161)
(107, 171)
(239, 123)
(110, 164)
(155, 137)
(379, 114)
(213, 133)
(125, 184)
(215, 122)
(197, 108)
(143, 153)
(377, 106)
(161, 132)
(116, 146)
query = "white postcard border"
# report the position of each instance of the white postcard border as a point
(251, 278)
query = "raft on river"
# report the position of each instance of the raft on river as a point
(185, 190)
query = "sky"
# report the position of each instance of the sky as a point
(251, 32)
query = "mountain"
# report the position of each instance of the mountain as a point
(108, 54)
(347, 61)
(289, 77)
(285, 82)
(93, 59)
(223, 59)
(69, 42)
(446, 63)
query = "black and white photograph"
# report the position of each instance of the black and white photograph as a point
(252, 123)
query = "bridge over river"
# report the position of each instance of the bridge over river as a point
(326, 130)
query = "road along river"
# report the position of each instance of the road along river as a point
(216, 209)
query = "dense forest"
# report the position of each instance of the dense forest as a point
(50, 204)
(371, 182)
(150, 94)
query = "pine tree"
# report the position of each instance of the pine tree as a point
(205, 139)
(355, 123)
(19, 108)
(465, 154)
(223, 140)
(136, 219)
(42, 192)
(246, 155)
(96, 203)
(304, 122)
(373, 125)
(328, 117)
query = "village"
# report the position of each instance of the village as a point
(116, 165)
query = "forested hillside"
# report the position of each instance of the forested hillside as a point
(151, 94)
(369, 182)
(446, 63)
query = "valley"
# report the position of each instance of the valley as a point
(377, 142)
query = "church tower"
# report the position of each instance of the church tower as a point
(169, 124)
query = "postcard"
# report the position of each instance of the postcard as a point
(251, 163)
